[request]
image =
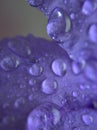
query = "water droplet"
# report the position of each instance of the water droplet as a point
(19, 102)
(36, 70)
(93, 33)
(87, 119)
(89, 7)
(59, 67)
(32, 82)
(90, 70)
(44, 117)
(35, 2)
(20, 47)
(9, 63)
(49, 86)
(77, 66)
(84, 86)
(59, 25)
(75, 94)
(72, 16)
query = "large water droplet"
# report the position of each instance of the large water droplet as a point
(87, 119)
(49, 86)
(77, 67)
(89, 7)
(59, 67)
(36, 70)
(9, 63)
(20, 47)
(35, 2)
(93, 33)
(59, 25)
(44, 117)
(8, 119)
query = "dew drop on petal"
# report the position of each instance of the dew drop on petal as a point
(90, 70)
(9, 63)
(77, 67)
(44, 117)
(32, 82)
(49, 86)
(93, 33)
(20, 47)
(59, 25)
(87, 119)
(36, 70)
(59, 67)
(89, 7)
(75, 94)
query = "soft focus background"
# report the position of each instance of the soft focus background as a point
(18, 18)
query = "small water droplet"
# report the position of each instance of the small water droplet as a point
(19, 102)
(90, 70)
(59, 67)
(9, 63)
(75, 94)
(84, 86)
(35, 2)
(49, 86)
(72, 16)
(36, 70)
(93, 33)
(78, 66)
(87, 119)
(59, 25)
(89, 7)
(32, 82)
(20, 47)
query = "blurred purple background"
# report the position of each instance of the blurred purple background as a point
(17, 17)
